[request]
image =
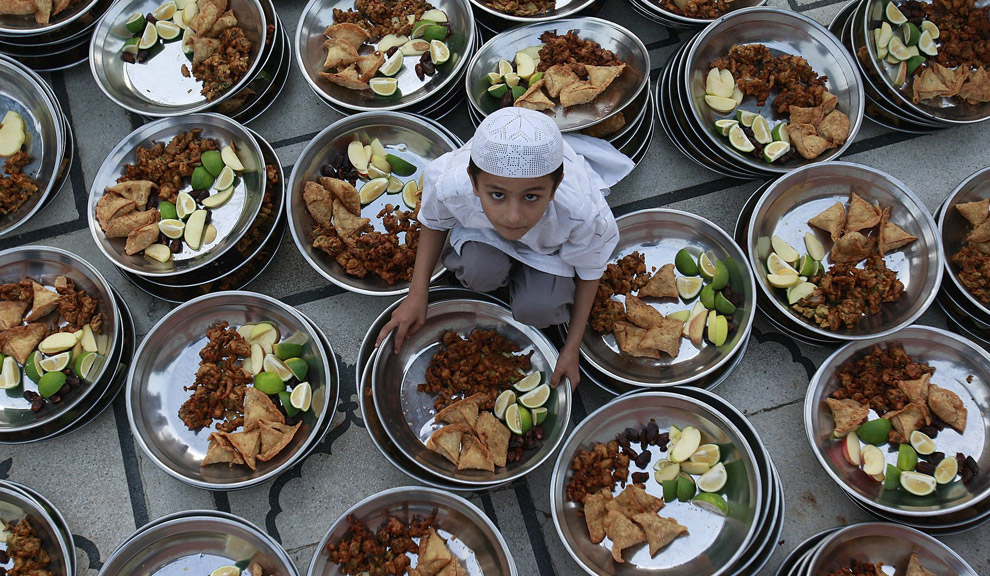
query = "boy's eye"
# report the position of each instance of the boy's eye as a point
(532, 197)
(497, 195)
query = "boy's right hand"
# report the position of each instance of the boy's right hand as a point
(406, 320)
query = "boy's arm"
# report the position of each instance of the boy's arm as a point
(570, 356)
(411, 314)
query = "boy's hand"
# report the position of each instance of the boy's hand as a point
(568, 366)
(406, 320)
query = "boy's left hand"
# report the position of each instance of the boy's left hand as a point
(568, 366)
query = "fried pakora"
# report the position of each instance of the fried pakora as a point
(872, 380)
(382, 552)
(16, 188)
(26, 549)
(220, 385)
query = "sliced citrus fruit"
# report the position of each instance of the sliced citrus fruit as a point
(411, 194)
(498, 90)
(777, 265)
(439, 53)
(713, 480)
(302, 396)
(666, 470)
(892, 477)
(707, 453)
(502, 403)
(722, 126)
(712, 502)
(539, 415)
(780, 133)
(746, 118)
(774, 150)
(495, 78)
(761, 130)
(56, 363)
(518, 419)
(931, 28)
(894, 15)
(165, 11)
(689, 287)
(273, 364)
(213, 162)
(922, 443)
(168, 30)
(707, 297)
(536, 397)
(739, 140)
(696, 468)
(669, 490)
(84, 363)
(372, 189)
(917, 483)
(706, 265)
(226, 571)
(721, 278)
(285, 350)
(384, 86)
(419, 28)
(32, 366)
(926, 44)
(201, 179)
(149, 37)
(907, 458)
(10, 375)
(298, 366)
(686, 488)
(946, 470)
(269, 383)
(225, 179)
(51, 383)
(504, 67)
(393, 64)
(529, 382)
(172, 228)
(135, 23)
(685, 263)
(897, 49)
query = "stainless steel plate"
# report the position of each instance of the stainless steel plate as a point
(953, 229)
(561, 9)
(232, 219)
(197, 544)
(26, 26)
(24, 92)
(414, 139)
(168, 359)
(788, 204)
(956, 361)
(785, 32)
(310, 54)
(682, 21)
(57, 519)
(470, 535)
(715, 542)
(17, 505)
(626, 46)
(659, 234)
(157, 87)
(407, 414)
(888, 543)
(44, 264)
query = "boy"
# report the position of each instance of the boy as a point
(523, 209)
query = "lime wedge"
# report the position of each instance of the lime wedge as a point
(777, 265)
(435, 32)
(285, 397)
(83, 364)
(539, 415)
(286, 350)
(393, 64)
(723, 306)
(56, 363)
(410, 194)
(168, 30)
(165, 11)
(384, 86)
(926, 44)
(695, 468)
(892, 477)
(32, 366)
(518, 419)
(669, 490)
(298, 366)
(780, 133)
(201, 179)
(494, 78)
(302, 396)
(685, 488)
(529, 382)
(689, 287)
(536, 397)
(502, 403)
(713, 480)
(711, 502)
(775, 150)
(894, 15)
(739, 140)
(706, 265)
(761, 130)
(394, 185)
(226, 571)
(372, 189)
(172, 228)
(131, 46)
(213, 162)
(946, 470)
(708, 454)
(135, 23)
(10, 375)
(931, 28)
(419, 29)
(910, 33)
(269, 383)
(685, 263)
(746, 118)
(721, 277)
(511, 79)
(707, 297)
(273, 364)
(399, 166)
(51, 383)
(913, 63)
(504, 67)
(498, 90)
(439, 53)
(149, 37)
(723, 125)
(921, 443)
(897, 49)
(806, 265)
(907, 458)
(225, 179)
(917, 483)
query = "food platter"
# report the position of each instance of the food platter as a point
(657, 12)
(887, 543)
(960, 367)
(714, 542)
(638, 233)
(24, 92)
(272, 78)
(953, 229)
(472, 537)
(497, 20)
(789, 566)
(414, 93)
(57, 519)
(157, 87)
(197, 542)
(170, 354)
(620, 93)
(14, 26)
(414, 139)
(232, 219)
(407, 413)
(783, 32)
(17, 504)
(788, 204)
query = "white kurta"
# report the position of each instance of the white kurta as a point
(577, 233)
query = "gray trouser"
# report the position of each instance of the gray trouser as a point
(537, 298)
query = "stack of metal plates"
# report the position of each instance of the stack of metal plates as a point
(948, 504)
(21, 503)
(198, 542)
(967, 313)
(471, 537)
(60, 43)
(114, 348)
(622, 114)
(664, 12)
(406, 415)
(782, 208)
(690, 122)
(893, 546)
(434, 96)
(158, 87)
(733, 529)
(49, 137)
(415, 139)
(170, 354)
(890, 100)
(658, 235)
(249, 229)
(493, 20)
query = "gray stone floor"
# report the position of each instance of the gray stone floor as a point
(107, 489)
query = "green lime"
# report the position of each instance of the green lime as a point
(439, 53)
(384, 86)
(167, 210)
(201, 178)
(892, 479)
(780, 133)
(722, 305)
(32, 367)
(685, 488)
(505, 399)
(50, 384)
(688, 287)
(706, 265)
(298, 367)
(149, 37)
(669, 490)
(894, 15)
(83, 364)
(907, 457)
(393, 64)
(685, 263)
(910, 33)
(739, 140)
(773, 151)
(517, 92)
(498, 90)
(761, 130)
(420, 28)
(708, 297)
(534, 78)
(712, 502)
(212, 161)
(529, 381)
(286, 398)
(723, 126)
(56, 363)
(131, 46)
(876, 432)
(269, 383)
(167, 30)
(518, 419)
(399, 166)
(539, 415)
(721, 278)
(286, 350)
(536, 397)
(434, 32)
(926, 44)
(746, 118)
(135, 23)
(913, 63)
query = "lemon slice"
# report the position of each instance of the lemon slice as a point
(711, 502)
(713, 480)
(777, 265)
(518, 419)
(172, 228)
(225, 179)
(775, 150)
(723, 125)
(272, 364)
(761, 130)
(302, 396)
(917, 483)
(666, 470)
(392, 66)
(922, 443)
(706, 265)
(946, 470)
(502, 403)
(10, 375)
(56, 363)
(168, 30)
(384, 86)
(536, 397)
(529, 382)
(439, 53)
(708, 454)
(184, 205)
(226, 571)
(149, 37)
(739, 140)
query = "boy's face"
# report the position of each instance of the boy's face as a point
(513, 205)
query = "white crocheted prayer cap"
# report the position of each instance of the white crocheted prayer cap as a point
(518, 143)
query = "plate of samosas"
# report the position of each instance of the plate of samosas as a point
(672, 306)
